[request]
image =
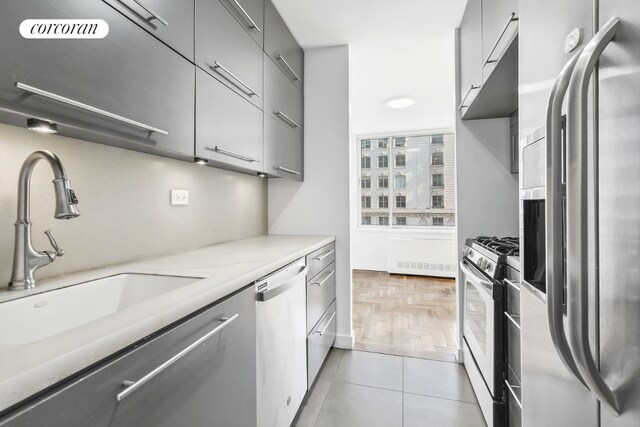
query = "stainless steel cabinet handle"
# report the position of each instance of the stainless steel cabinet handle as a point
(282, 168)
(151, 12)
(513, 285)
(324, 280)
(131, 386)
(287, 119)
(323, 255)
(89, 108)
(512, 18)
(472, 88)
(513, 320)
(321, 332)
(286, 64)
(251, 22)
(230, 153)
(513, 393)
(554, 217)
(270, 293)
(248, 91)
(578, 194)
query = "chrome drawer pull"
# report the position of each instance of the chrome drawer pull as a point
(288, 120)
(323, 281)
(230, 153)
(513, 285)
(324, 255)
(131, 386)
(248, 90)
(252, 24)
(513, 393)
(151, 12)
(512, 18)
(513, 320)
(461, 106)
(282, 168)
(89, 108)
(325, 326)
(286, 64)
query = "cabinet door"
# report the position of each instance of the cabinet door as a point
(283, 150)
(470, 53)
(127, 89)
(169, 20)
(496, 16)
(212, 385)
(227, 121)
(250, 15)
(282, 47)
(281, 99)
(227, 52)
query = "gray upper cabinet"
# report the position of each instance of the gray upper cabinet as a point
(228, 128)
(227, 52)
(127, 89)
(250, 15)
(282, 100)
(282, 47)
(213, 384)
(169, 20)
(283, 150)
(499, 27)
(470, 53)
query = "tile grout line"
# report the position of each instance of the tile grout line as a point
(315, 421)
(402, 391)
(441, 398)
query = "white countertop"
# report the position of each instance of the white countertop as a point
(29, 368)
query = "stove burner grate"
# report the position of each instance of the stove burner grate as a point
(500, 245)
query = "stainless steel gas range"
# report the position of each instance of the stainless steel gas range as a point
(485, 265)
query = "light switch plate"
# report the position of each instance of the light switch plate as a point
(179, 197)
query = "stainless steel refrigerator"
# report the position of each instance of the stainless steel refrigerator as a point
(579, 108)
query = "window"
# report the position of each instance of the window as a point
(383, 201)
(383, 182)
(383, 220)
(401, 142)
(401, 201)
(401, 220)
(383, 161)
(365, 182)
(366, 202)
(437, 180)
(438, 220)
(383, 143)
(437, 139)
(366, 220)
(437, 158)
(401, 181)
(366, 162)
(437, 201)
(365, 144)
(401, 160)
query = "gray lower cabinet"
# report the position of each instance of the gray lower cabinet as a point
(169, 20)
(321, 290)
(281, 46)
(319, 342)
(282, 100)
(212, 385)
(283, 150)
(250, 15)
(127, 89)
(228, 127)
(226, 51)
(319, 259)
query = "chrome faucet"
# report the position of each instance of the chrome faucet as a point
(26, 260)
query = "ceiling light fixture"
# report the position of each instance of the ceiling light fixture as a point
(200, 161)
(41, 126)
(400, 102)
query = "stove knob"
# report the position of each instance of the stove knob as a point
(481, 263)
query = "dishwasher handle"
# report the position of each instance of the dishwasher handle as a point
(277, 290)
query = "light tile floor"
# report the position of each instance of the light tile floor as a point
(362, 389)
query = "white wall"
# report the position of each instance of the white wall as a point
(320, 204)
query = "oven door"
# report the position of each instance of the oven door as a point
(479, 327)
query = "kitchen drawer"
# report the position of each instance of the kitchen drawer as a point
(513, 343)
(514, 400)
(319, 343)
(319, 259)
(283, 150)
(513, 299)
(250, 15)
(281, 99)
(213, 384)
(227, 52)
(282, 47)
(228, 127)
(169, 20)
(321, 290)
(127, 89)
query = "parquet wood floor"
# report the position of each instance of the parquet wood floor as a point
(404, 315)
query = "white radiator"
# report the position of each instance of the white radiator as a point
(422, 257)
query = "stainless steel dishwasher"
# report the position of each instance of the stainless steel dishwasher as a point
(281, 347)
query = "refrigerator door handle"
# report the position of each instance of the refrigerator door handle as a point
(577, 223)
(554, 217)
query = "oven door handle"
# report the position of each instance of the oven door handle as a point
(482, 285)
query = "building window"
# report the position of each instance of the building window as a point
(383, 201)
(383, 161)
(383, 182)
(437, 139)
(401, 201)
(400, 142)
(401, 220)
(401, 160)
(383, 220)
(366, 202)
(437, 180)
(401, 181)
(366, 220)
(437, 158)
(438, 220)
(437, 201)
(365, 182)
(365, 144)
(383, 143)
(366, 162)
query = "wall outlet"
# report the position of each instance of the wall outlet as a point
(179, 197)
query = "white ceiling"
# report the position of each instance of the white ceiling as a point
(397, 48)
